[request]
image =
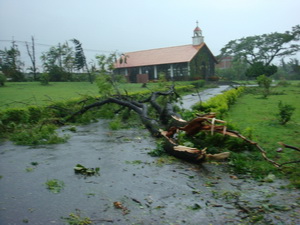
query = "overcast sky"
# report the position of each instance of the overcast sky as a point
(132, 25)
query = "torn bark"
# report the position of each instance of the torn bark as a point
(207, 123)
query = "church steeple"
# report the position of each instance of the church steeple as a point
(197, 38)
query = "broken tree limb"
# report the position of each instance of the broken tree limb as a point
(289, 146)
(159, 124)
(164, 112)
(207, 123)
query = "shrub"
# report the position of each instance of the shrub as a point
(220, 103)
(285, 112)
(44, 78)
(265, 83)
(283, 83)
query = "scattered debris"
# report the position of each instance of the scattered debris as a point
(118, 205)
(76, 218)
(55, 186)
(80, 169)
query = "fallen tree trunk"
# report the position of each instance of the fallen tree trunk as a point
(163, 115)
(159, 125)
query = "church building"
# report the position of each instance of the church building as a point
(186, 62)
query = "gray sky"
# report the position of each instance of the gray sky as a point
(132, 25)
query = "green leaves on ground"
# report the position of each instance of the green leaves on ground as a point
(77, 219)
(38, 135)
(80, 169)
(54, 185)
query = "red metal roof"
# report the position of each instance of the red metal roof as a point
(178, 54)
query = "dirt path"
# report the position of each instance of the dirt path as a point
(145, 189)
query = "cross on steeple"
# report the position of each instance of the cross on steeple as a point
(197, 38)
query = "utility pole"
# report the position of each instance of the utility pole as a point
(32, 57)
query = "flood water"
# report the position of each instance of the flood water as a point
(151, 190)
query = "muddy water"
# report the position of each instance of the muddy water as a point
(151, 190)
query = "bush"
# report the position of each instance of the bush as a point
(44, 78)
(285, 112)
(265, 83)
(283, 83)
(220, 104)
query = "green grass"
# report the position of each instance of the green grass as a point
(257, 118)
(253, 112)
(20, 94)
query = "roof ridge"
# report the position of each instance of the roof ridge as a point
(160, 48)
(166, 55)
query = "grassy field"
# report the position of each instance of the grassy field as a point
(19, 94)
(257, 118)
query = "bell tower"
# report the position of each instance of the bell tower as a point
(197, 38)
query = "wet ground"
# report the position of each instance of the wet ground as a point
(189, 100)
(132, 187)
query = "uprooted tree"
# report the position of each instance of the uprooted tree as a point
(157, 113)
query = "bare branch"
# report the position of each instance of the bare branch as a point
(289, 146)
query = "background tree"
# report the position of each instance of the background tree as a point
(31, 53)
(107, 81)
(235, 72)
(57, 62)
(80, 60)
(289, 70)
(259, 68)
(259, 51)
(10, 63)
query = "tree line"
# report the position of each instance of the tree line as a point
(62, 62)
(254, 55)
(251, 57)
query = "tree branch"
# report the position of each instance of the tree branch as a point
(289, 146)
